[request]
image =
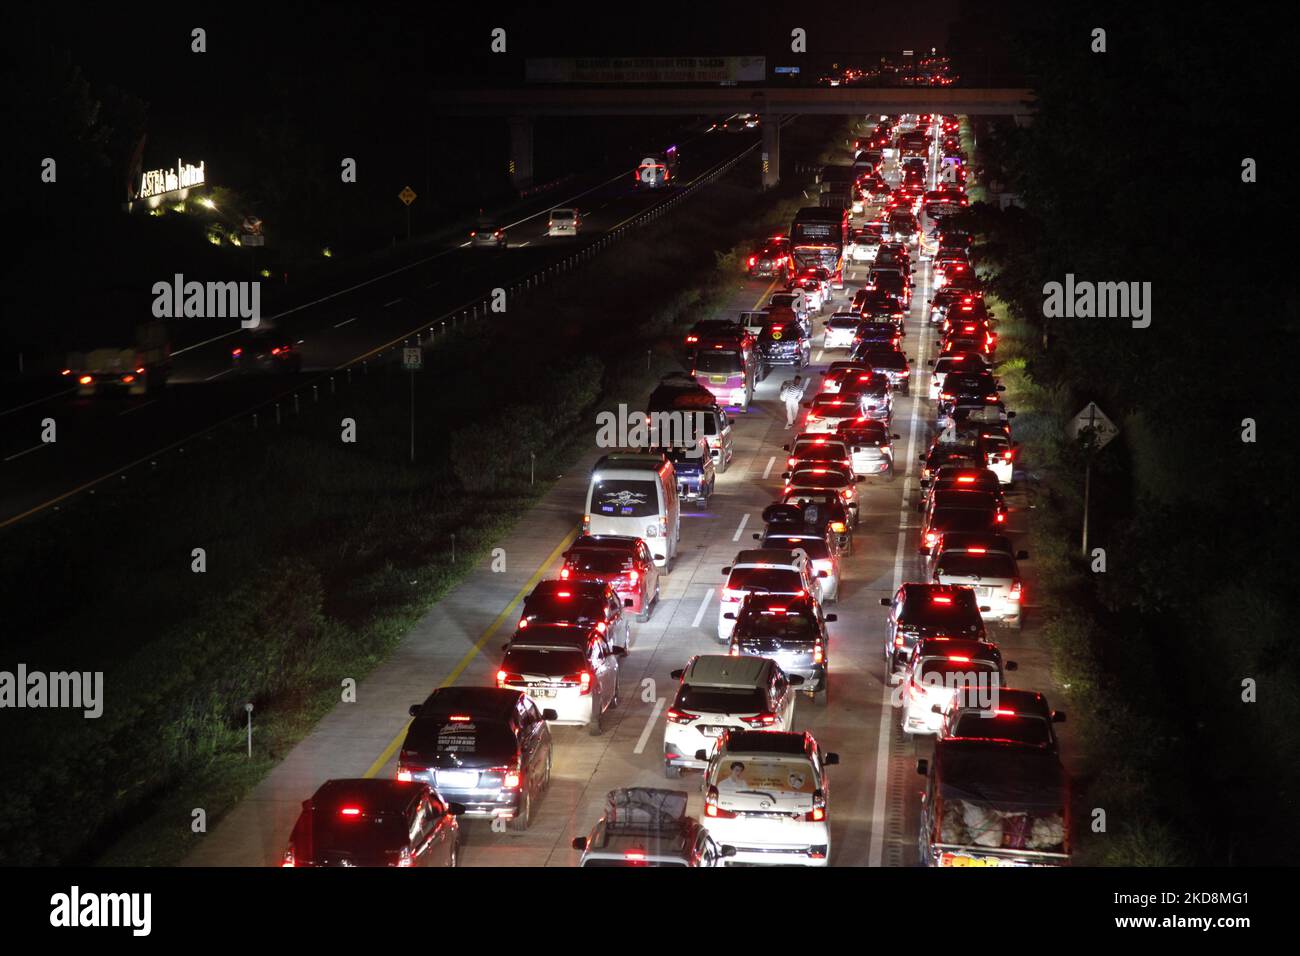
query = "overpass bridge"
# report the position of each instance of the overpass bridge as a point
(521, 105)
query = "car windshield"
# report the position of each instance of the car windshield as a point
(773, 580)
(1023, 728)
(625, 498)
(964, 565)
(721, 700)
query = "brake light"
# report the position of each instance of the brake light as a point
(690, 339)
(965, 479)
(563, 594)
(404, 775)
(939, 598)
(350, 813)
(503, 678)
(930, 539)
(760, 720)
(85, 380)
(511, 779)
(1017, 591)
(817, 653)
(584, 682)
(959, 658)
(289, 859)
(1000, 518)
(977, 550)
(681, 716)
(636, 856)
(237, 352)
(711, 808)
(564, 573)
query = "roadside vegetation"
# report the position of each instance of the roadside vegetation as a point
(320, 555)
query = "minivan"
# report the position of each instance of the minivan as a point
(564, 222)
(636, 495)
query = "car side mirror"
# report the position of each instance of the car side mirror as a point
(885, 602)
(701, 755)
(795, 680)
(729, 616)
(831, 759)
(757, 537)
(727, 569)
(456, 809)
(936, 709)
(618, 650)
(1022, 555)
(1002, 388)
(832, 618)
(579, 844)
(726, 850)
(984, 608)
(1058, 716)
(628, 602)
(505, 646)
(677, 674)
(1011, 666)
(785, 447)
(785, 474)
(550, 714)
(660, 557)
(923, 767)
(414, 710)
(1011, 414)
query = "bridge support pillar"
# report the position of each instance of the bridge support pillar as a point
(521, 152)
(771, 124)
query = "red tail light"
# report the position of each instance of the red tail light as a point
(711, 808)
(1017, 590)
(289, 859)
(633, 576)
(930, 539)
(760, 720)
(681, 716)
(564, 573)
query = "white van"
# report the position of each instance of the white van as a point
(635, 494)
(564, 222)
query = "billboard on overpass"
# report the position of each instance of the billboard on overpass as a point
(647, 69)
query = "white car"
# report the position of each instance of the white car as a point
(766, 794)
(840, 329)
(761, 569)
(835, 376)
(940, 668)
(569, 669)
(826, 412)
(720, 692)
(987, 564)
(564, 222)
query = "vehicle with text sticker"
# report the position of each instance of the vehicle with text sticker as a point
(635, 495)
(768, 795)
(993, 803)
(571, 670)
(487, 748)
(375, 822)
(623, 562)
(696, 475)
(727, 372)
(718, 692)
(646, 826)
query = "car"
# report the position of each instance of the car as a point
(840, 372)
(960, 509)
(375, 822)
(967, 387)
(941, 453)
(716, 692)
(927, 610)
(570, 669)
(266, 350)
(872, 336)
(957, 362)
(962, 477)
(821, 509)
(839, 330)
(487, 233)
(839, 481)
(941, 669)
(985, 563)
(767, 794)
(790, 631)
(487, 748)
(772, 258)
(825, 412)
(587, 603)
(795, 300)
(816, 292)
(892, 364)
(865, 243)
(621, 561)
(1000, 452)
(894, 284)
(875, 398)
(822, 551)
(784, 343)
(696, 474)
(812, 448)
(770, 570)
(1018, 716)
(564, 222)
(870, 447)
(646, 826)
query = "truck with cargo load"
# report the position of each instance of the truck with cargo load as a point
(137, 362)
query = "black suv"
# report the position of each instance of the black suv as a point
(927, 610)
(368, 822)
(790, 630)
(487, 748)
(591, 603)
(784, 343)
(266, 350)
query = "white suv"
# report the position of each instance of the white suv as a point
(718, 692)
(987, 564)
(766, 794)
(767, 570)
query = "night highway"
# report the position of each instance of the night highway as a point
(754, 438)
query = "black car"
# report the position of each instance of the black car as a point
(784, 343)
(790, 630)
(770, 259)
(487, 748)
(375, 822)
(591, 603)
(697, 476)
(266, 350)
(961, 388)
(927, 610)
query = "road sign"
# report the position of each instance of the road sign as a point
(413, 359)
(1092, 427)
(407, 195)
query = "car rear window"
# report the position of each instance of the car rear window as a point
(773, 580)
(562, 214)
(890, 360)
(922, 609)
(600, 562)
(625, 498)
(718, 361)
(439, 734)
(816, 547)
(964, 565)
(844, 321)
(784, 776)
(365, 839)
(721, 700)
(786, 627)
(543, 661)
(953, 673)
(820, 478)
(1025, 729)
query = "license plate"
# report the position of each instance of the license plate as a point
(541, 691)
(718, 379)
(711, 731)
(457, 779)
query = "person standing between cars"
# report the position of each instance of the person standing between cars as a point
(792, 393)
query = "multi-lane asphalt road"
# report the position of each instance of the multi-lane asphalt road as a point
(102, 436)
(873, 799)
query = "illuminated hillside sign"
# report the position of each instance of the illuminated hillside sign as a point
(156, 183)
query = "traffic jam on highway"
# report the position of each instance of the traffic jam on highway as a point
(808, 575)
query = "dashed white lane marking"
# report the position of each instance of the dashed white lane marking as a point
(346, 321)
(704, 606)
(744, 519)
(28, 451)
(649, 726)
(767, 472)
